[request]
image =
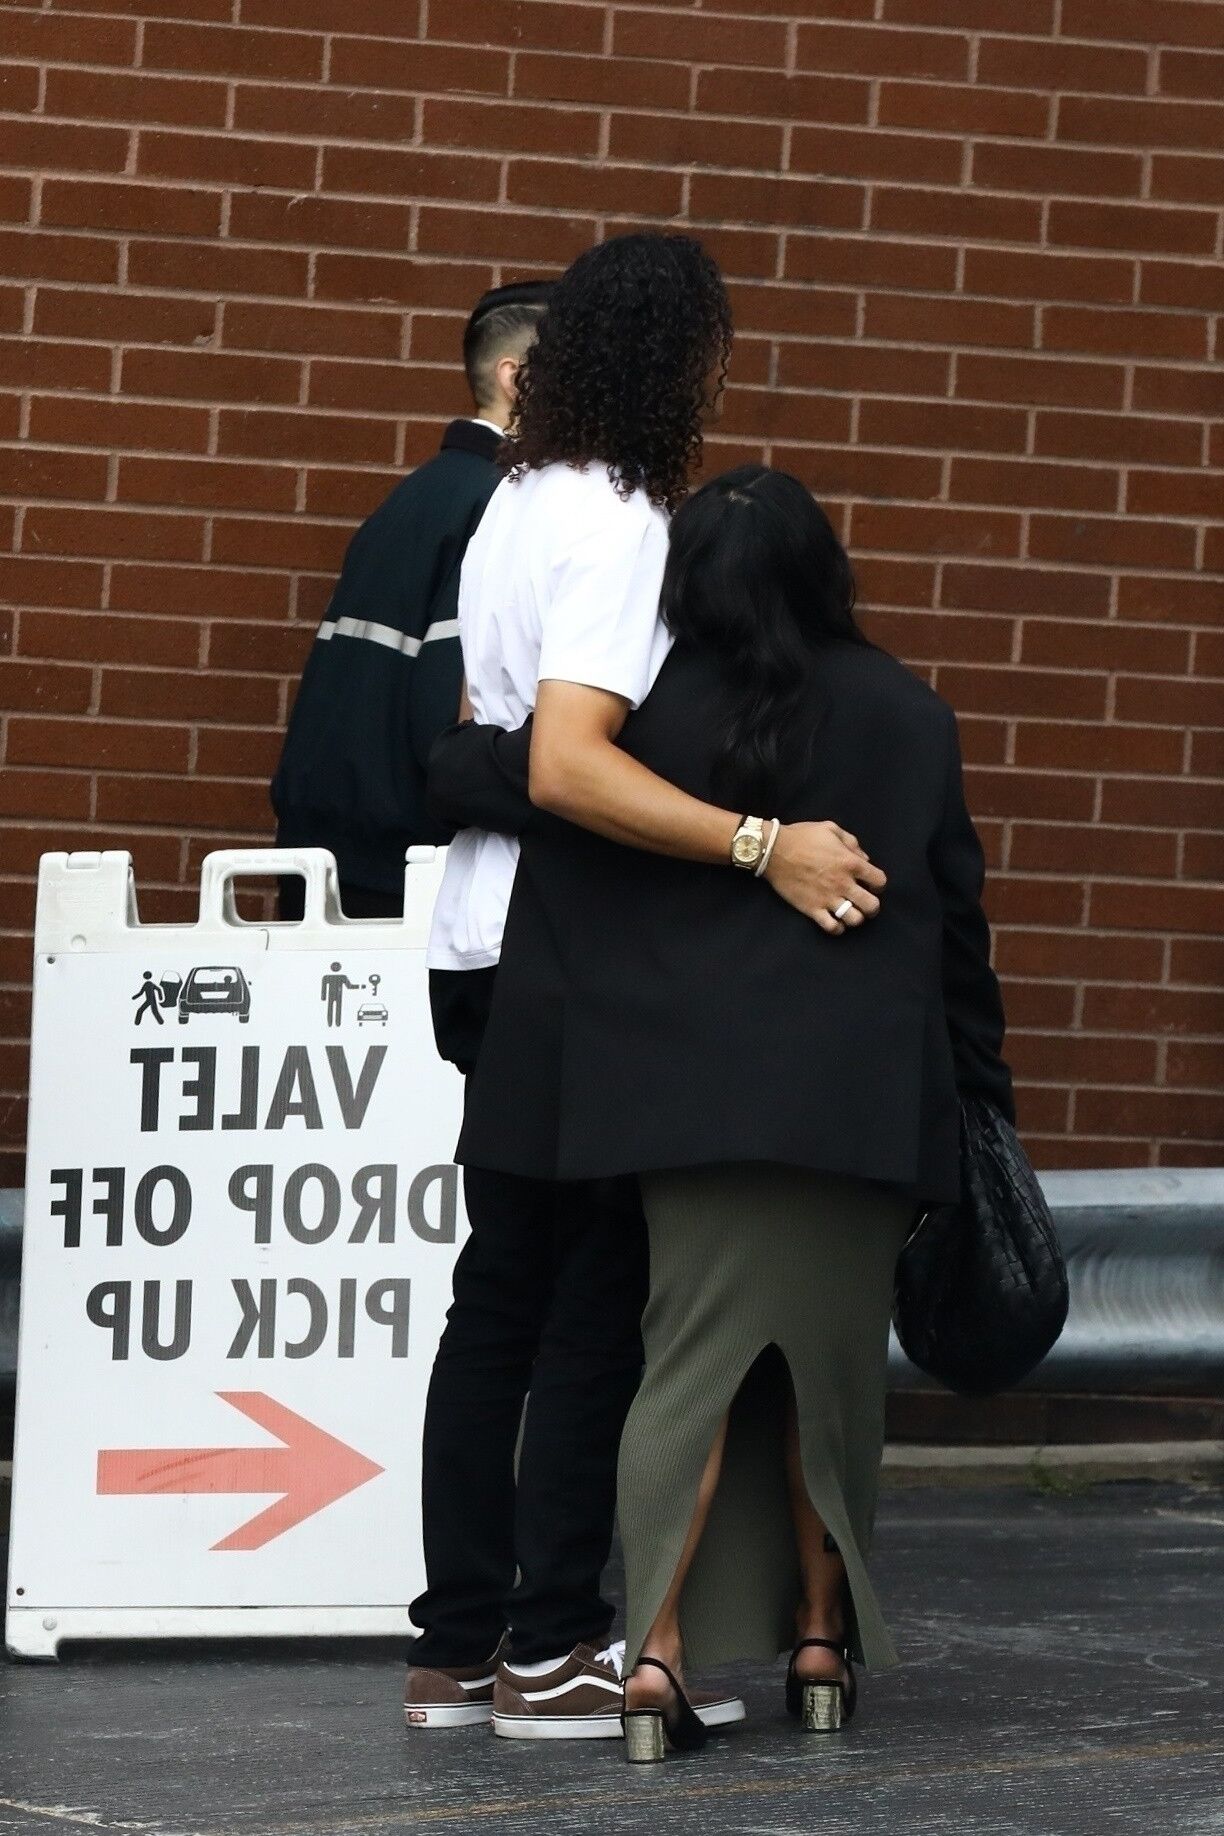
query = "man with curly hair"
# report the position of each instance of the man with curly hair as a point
(559, 615)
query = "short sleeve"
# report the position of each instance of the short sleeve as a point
(601, 627)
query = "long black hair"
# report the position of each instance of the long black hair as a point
(620, 372)
(757, 578)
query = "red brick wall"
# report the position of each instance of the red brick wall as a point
(974, 247)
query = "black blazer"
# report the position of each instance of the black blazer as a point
(650, 1013)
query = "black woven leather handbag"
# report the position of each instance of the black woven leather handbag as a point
(981, 1287)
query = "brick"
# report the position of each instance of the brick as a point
(31, 255)
(805, 203)
(1071, 644)
(268, 434)
(331, 491)
(742, 254)
(319, 330)
(1034, 17)
(52, 146)
(1054, 65)
(1073, 1058)
(34, 471)
(1162, 22)
(122, 317)
(1016, 274)
(500, 235)
(384, 18)
(1026, 483)
(1203, 857)
(213, 268)
(198, 592)
(1042, 1108)
(206, 484)
(85, 638)
(277, 650)
(192, 803)
(225, 160)
(1209, 645)
(519, 24)
(870, 261)
(960, 216)
(284, 542)
(1181, 283)
(784, 96)
(1183, 494)
(1100, 541)
(231, 51)
(413, 280)
(802, 311)
(228, 752)
(885, 580)
(80, 204)
(205, 9)
(709, 40)
(1079, 956)
(1153, 801)
(511, 127)
(27, 580)
(880, 51)
(113, 534)
(1153, 1010)
(937, 637)
(944, 321)
(842, 471)
(210, 376)
(59, 795)
(1191, 73)
(1056, 171)
(690, 140)
(1143, 123)
(96, 95)
(35, 688)
(1138, 227)
(1072, 746)
(1117, 437)
(111, 745)
(995, 378)
(315, 222)
(605, 81)
(566, 185)
(1063, 847)
(15, 198)
(1195, 1064)
(18, 89)
(154, 694)
(1197, 962)
(869, 154)
(69, 39)
(1123, 334)
(384, 389)
(935, 530)
(1180, 702)
(398, 173)
(1207, 753)
(419, 68)
(1031, 692)
(862, 369)
(1174, 1114)
(961, 109)
(946, 426)
(1157, 597)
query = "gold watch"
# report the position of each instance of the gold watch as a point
(748, 844)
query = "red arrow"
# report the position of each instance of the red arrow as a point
(311, 1469)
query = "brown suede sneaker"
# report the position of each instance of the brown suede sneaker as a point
(579, 1699)
(460, 1698)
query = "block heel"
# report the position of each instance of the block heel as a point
(821, 1705)
(651, 1733)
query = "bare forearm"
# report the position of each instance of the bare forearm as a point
(604, 789)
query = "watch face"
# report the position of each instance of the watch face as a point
(746, 850)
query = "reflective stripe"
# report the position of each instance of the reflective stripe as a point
(387, 635)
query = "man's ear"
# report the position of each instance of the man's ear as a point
(506, 371)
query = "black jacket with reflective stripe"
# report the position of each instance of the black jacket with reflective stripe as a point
(383, 675)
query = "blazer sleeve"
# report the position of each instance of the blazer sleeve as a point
(973, 1003)
(478, 778)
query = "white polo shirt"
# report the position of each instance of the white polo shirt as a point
(560, 583)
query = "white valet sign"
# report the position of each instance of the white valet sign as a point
(241, 1221)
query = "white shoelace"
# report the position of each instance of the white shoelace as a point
(614, 1656)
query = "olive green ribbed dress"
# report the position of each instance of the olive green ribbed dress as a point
(744, 1258)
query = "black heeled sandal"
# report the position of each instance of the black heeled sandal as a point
(650, 1732)
(822, 1704)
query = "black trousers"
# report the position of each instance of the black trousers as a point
(355, 901)
(548, 1298)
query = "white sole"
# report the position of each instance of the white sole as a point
(447, 1715)
(557, 1727)
(722, 1714)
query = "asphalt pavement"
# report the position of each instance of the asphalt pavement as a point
(1062, 1675)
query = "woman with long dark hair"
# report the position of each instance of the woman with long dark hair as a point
(787, 1094)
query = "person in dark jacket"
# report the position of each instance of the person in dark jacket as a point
(384, 674)
(787, 1094)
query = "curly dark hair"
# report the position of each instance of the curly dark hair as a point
(619, 374)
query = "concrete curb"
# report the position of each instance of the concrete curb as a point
(1053, 1468)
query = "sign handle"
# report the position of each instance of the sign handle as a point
(317, 866)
